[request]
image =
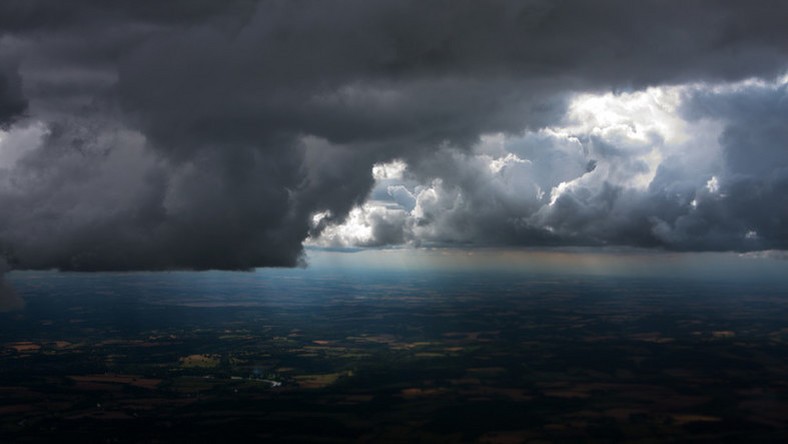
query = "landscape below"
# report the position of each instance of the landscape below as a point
(295, 355)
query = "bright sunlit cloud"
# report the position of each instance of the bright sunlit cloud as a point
(389, 170)
(612, 158)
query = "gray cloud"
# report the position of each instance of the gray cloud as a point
(710, 174)
(9, 300)
(12, 102)
(156, 135)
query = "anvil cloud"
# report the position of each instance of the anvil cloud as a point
(202, 134)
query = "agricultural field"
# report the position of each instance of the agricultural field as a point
(460, 358)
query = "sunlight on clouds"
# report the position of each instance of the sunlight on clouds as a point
(496, 165)
(556, 192)
(389, 170)
(606, 138)
(713, 185)
(372, 224)
(428, 197)
(638, 115)
(319, 217)
(742, 85)
(610, 155)
(354, 231)
(641, 123)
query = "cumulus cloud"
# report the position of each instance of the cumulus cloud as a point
(689, 167)
(201, 134)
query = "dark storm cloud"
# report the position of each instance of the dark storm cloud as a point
(752, 194)
(12, 102)
(9, 300)
(205, 134)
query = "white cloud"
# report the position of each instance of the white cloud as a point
(402, 196)
(634, 168)
(372, 224)
(389, 170)
(635, 116)
(713, 185)
(496, 165)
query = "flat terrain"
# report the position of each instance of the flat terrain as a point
(294, 356)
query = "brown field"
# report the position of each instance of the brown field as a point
(200, 360)
(24, 347)
(319, 381)
(132, 380)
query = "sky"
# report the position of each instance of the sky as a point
(189, 134)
